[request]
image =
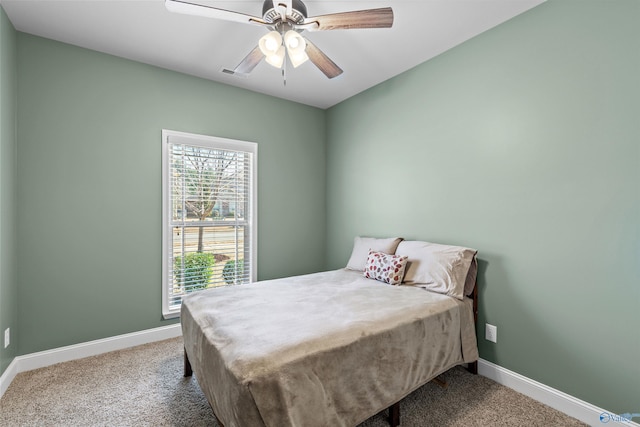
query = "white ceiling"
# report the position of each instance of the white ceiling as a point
(143, 30)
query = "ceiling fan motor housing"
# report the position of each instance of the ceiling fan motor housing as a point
(298, 12)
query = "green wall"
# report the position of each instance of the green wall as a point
(89, 186)
(523, 144)
(8, 141)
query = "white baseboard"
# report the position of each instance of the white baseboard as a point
(7, 376)
(42, 359)
(556, 399)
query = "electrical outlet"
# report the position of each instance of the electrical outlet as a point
(491, 333)
(7, 337)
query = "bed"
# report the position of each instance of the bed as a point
(331, 348)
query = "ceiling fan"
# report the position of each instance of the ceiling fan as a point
(286, 20)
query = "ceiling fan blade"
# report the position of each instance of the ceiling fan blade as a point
(322, 61)
(250, 61)
(179, 6)
(369, 18)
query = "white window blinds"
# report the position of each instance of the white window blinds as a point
(208, 215)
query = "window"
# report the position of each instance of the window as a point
(208, 215)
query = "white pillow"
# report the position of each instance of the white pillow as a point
(438, 268)
(362, 245)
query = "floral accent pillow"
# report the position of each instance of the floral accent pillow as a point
(384, 267)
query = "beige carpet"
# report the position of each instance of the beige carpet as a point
(144, 386)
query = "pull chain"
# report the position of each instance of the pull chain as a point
(284, 72)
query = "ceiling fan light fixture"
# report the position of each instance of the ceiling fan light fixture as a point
(298, 58)
(294, 41)
(276, 59)
(270, 43)
(296, 46)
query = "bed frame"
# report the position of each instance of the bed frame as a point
(394, 410)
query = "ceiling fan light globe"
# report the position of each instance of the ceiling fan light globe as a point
(295, 42)
(298, 58)
(270, 43)
(276, 59)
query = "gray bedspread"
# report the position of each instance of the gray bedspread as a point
(325, 349)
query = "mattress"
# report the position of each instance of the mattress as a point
(330, 348)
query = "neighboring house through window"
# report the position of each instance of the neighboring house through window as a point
(208, 215)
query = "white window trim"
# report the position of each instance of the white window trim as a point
(204, 141)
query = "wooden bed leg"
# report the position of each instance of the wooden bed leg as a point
(473, 367)
(187, 365)
(441, 383)
(394, 415)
